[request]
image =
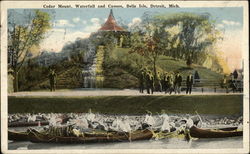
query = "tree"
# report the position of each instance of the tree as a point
(148, 46)
(22, 36)
(192, 35)
(149, 41)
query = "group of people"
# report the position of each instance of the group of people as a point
(167, 82)
(230, 82)
(77, 125)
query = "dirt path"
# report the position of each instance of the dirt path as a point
(126, 92)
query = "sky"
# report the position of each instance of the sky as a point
(69, 24)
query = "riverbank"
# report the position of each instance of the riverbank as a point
(203, 104)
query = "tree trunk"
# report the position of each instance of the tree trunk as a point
(15, 81)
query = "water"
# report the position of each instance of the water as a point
(89, 73)
(174, 143)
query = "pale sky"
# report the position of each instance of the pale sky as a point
(69, 24)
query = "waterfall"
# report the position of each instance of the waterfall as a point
(89, 70)
(92, 73)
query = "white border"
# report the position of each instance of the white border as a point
(38, 4)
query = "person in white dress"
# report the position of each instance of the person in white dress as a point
(54, 120)
(149, 120)
(126, 122)
(31, 118)
(189, 123)
(165, 125)
(90, 116)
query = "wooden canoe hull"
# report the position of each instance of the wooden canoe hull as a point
(208, 133)
(37, 137)
(18, 136)
(26, 124)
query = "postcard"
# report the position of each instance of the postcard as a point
(124, 77)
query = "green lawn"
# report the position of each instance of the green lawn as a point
(122, 69)
(166, 63)
(206, 104)
(169, 64)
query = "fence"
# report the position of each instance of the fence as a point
(210, 85)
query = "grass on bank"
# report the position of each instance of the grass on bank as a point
(206, 104)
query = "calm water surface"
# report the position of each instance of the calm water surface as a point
(233, 142)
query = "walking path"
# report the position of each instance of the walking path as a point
(98, 92)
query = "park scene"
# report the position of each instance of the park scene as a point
(106, 78)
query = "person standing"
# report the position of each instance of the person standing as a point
(163, 81)
(166, 78)
(177, 83)
(170, 83)
(147, 77)
(52, 79)
(158, 81)
(141, 80)
(152, 85)
(189, 83)
(233, 83)
(224, 83)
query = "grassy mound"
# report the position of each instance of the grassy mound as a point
(121, 69)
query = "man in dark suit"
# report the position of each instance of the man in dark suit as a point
(141, 80)
(52, 80)
(177, 83)
(148, 81)
(189, 83)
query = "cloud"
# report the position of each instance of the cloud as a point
(135, 22)
(220, 26)
(73, 36)
(230, 23)
(84, 22)
(94, 25)
(76, 20)
(95, 20)
(57, 39)
(63, 23)
(58, 30)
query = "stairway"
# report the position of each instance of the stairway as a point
(69, 79)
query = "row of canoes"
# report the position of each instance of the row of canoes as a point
(36, 136)
(103, 137)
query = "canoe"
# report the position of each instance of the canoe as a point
(18, 136)
(35, 136)
(212, 133)
(26, 124)
(228, 128)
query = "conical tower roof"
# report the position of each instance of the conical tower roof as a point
(111, 24)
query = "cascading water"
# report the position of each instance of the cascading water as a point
(89, 70)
